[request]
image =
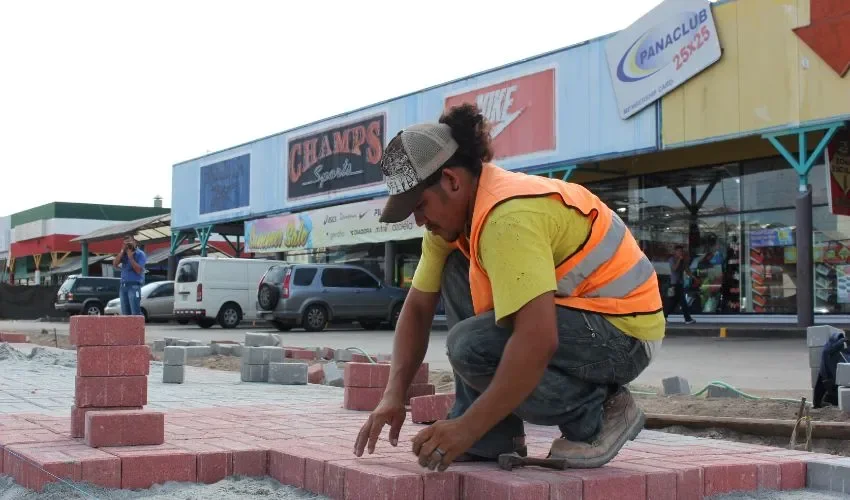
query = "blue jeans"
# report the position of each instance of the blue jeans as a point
(131, 299)
(593, 359)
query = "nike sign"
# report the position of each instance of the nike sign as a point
(524, 106)
(495, 105)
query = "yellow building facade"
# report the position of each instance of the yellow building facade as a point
(726, 180)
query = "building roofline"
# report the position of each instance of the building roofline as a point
(403, 96)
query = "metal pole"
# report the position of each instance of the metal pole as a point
(805, 262)
(172, 267)
(84, 259)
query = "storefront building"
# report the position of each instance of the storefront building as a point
(42, 249)
(703, 133)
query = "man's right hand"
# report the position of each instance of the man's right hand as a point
(389, 411)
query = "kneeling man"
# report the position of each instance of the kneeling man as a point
(552, 306)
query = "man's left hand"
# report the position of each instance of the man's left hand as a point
(450, 437)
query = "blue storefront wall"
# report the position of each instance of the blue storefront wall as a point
(565, 113)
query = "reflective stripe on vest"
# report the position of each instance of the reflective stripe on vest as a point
(625, 284)
(601, 254)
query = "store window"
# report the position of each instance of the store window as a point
(698, 209)
(831, 255)
(770, 265)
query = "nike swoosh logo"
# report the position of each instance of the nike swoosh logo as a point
(498, 129)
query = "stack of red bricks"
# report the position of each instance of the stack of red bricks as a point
(365, 384)
(113, 363)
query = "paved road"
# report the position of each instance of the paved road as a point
(779, 367)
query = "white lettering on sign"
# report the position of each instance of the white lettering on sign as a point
(495, 105)
(346, 170)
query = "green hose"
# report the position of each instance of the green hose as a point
(361, 351)
(724, 385)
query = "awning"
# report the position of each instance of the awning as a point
(74, 264)
(148, 230)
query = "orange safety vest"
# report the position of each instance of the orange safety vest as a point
(608, 274)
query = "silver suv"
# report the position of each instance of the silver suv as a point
(313, 295)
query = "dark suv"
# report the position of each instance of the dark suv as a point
(313, 295)
(86, 294)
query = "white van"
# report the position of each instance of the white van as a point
(210, 290)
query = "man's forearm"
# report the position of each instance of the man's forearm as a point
(519, 372)
(116, 261)
(409, 348)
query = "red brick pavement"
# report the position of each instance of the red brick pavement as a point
(311, 448)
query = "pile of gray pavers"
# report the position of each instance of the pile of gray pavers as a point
(174, 365)
(222, 348)
(816, 339)
(262, 359)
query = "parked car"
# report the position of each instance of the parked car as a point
(86, 294)
(157, 302)
(212, 290)
(313, 295)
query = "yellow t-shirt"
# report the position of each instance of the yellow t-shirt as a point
(521, 242)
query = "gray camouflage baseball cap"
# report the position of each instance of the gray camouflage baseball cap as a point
(412, 156)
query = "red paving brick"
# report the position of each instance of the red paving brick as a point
(424, 409)
(690, 483)
(561, 486)
(312, 449)
(362, 398)
(15, 338)
(366, 375)
(113, 361)
(301, 354)
(107, 330)
(111, 391)
(213, 462)
(124, 428)
(487, 485)
(315, 374)
(418, 390)
(382, 482)
(145, 466)
(78, 417)
(29, 465)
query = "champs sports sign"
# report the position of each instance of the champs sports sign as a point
(343, 157)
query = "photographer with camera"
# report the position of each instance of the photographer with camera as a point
(131, 260)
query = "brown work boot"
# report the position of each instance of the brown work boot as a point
(622, 420)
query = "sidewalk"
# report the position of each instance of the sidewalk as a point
(217, 426)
